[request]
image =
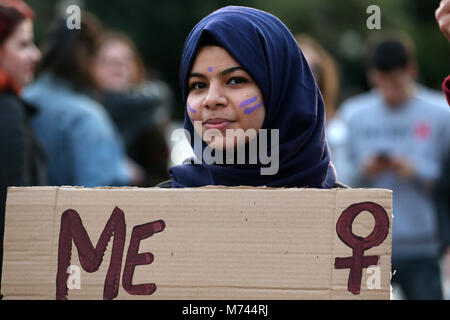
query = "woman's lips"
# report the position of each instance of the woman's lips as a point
(218, 123)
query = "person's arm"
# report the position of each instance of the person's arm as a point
(443, 19)
(423, 178)
(425, 174)
(442, 15)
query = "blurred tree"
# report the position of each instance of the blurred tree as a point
(161, 27)
(44, 14)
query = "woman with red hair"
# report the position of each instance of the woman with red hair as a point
(17, 51)
(22, 161)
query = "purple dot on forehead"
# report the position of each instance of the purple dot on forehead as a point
(210, 69)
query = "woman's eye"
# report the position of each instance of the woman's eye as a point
(197, 86)
(237, 80)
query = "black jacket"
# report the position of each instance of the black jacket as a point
(139, 116)
(22, 161)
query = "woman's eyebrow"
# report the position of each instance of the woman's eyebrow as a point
(222, 74)
(196, 74)
(231, 70)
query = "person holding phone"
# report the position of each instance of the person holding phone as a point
(399, 133)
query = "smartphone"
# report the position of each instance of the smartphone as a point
(383, 157)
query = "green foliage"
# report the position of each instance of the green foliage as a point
(160, 28)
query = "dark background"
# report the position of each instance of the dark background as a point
(160, 27)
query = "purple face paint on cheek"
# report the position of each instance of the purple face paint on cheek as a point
(248, 102)
(191, 109)
(210, 69)
(252, 109)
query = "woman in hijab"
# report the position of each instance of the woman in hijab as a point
(242, 69)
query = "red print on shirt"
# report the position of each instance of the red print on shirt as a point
(422, 131)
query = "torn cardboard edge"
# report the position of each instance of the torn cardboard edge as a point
(199, 188)
(238, 250)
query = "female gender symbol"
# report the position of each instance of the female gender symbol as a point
(344, 230)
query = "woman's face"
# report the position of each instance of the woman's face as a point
(18, 54)
(223, 96)
(114, 66)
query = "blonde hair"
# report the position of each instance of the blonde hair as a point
(113, 36)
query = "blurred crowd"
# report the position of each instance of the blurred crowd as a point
(84, 110)
(397, 137)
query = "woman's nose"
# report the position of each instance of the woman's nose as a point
(36, 54)
(215, 97)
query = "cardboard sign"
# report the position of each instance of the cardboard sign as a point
(206, 243)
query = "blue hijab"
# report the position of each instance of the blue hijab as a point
(266, 49)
